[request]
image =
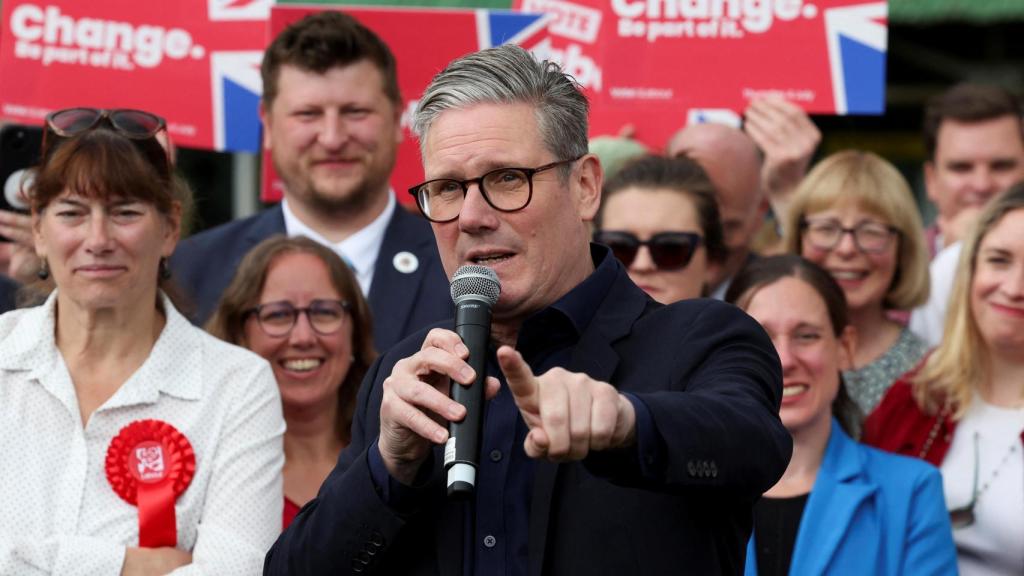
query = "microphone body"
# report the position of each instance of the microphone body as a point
(474, 289)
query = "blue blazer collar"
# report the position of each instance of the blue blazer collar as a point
(841, 489)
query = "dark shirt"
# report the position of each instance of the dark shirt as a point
(776, 523)
(8, 290)
(498, 544)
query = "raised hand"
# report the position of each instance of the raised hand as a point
(788, 138)
(415, 407)
(569, 414)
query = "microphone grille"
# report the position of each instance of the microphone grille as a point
(473, 280)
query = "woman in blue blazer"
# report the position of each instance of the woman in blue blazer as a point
(840, 507)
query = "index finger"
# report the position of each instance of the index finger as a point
(521, 381)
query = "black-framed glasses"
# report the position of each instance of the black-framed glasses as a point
(505, 189)
(869, 237)
(668, 250)
(278, 318)
(137, 125)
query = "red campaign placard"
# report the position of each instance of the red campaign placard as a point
(195, 62)
(658, 64)
(423, 41)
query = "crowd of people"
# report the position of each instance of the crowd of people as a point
(718, 358)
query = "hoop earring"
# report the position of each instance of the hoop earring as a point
(44, 271)
(165, 270)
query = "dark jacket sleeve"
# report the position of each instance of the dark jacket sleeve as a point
(716, 425)
(347, 528)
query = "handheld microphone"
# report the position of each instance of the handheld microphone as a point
(474, 290)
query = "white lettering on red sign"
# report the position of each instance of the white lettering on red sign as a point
(47, 34)
(653, 19)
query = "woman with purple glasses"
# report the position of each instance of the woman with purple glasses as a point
(659, 217)
(131, 441)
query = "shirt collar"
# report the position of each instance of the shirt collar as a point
(359, 250)
(32, 347)
(580, 304)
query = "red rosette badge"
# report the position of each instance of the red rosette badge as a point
(149, 464)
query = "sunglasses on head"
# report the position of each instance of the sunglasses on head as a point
(136, 125)
(668, 250)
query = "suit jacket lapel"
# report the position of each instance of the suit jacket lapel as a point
(269, 223)
(392, 291)
(595, 356)
(840, 490)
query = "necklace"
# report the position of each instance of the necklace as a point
(963, 516)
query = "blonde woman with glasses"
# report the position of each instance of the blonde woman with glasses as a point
(854, 215)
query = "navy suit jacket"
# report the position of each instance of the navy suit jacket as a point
(711, 380)
(401, 303)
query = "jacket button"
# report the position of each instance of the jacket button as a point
(691, 468)
(714, 470)
(495, 455)
(490, 541)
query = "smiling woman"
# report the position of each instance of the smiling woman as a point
(128, 424)
(840, 508)
(855, 216)
(963, 410)
(296, 303)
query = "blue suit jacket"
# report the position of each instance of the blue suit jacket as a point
(711, 381)
(871, 512)
(203, 266)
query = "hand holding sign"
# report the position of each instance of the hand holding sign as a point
(569, 413)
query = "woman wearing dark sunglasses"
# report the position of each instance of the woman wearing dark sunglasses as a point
(854, 215)
(963, 409)
(659, 217)
(132, 442)
(840, 507)
(294, 302)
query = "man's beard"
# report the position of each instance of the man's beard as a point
(358, 199)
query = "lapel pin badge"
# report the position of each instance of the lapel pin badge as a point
(406, 262)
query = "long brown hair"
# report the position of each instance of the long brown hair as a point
(243, 293)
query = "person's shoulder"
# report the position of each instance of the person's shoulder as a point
(266, 219)
(11, 319)
(220, 357)
(698, 315)
(899, 470)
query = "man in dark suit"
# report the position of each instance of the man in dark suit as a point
(620, 436)
(330, 113)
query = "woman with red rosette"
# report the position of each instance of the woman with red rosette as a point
(131, 441)
(963, 409)
(294, 302)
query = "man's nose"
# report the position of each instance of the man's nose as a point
(333, 132)
(476, 213)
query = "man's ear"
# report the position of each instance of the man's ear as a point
(587, 180)
(847, 348)
(399, 134)
(265, 120)
(929, 181)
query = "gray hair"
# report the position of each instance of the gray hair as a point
(508, 74)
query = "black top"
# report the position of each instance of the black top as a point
(776, 522)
